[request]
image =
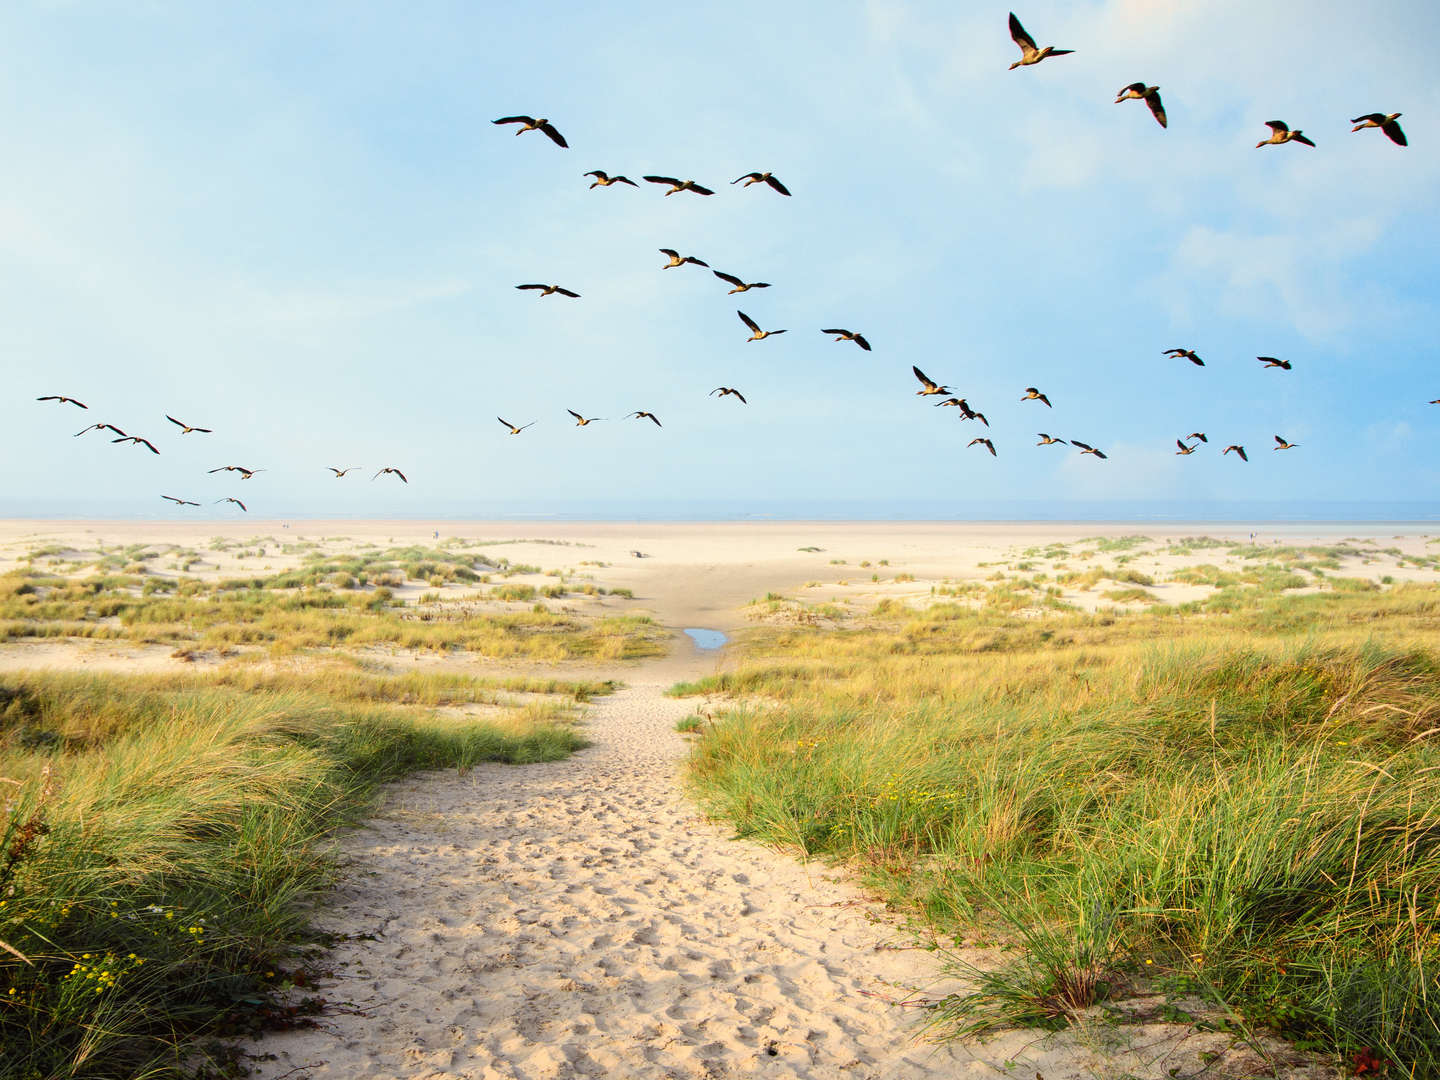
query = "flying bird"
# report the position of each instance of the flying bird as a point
(1148, 94)
(724, 390)
(186, 429)
(983, 442)
(966, 413)
(604, 179)
(1029, 54)
(740, 286)
(1279, 133)
(513, 429)
(1283, 445)
(1187, 354)
(1183, 448)
(531, 124)
(1198, 435)
(1385, 122)
(581, 421)
(1238, 449)
(179, 502)
(341, 472)
(101, 427)
(850, 335)
(676, 259)
(245, 474)
(137, 440)
(756, 334)
(757, 177)
(679, 185)
(390, 469)
(1086, 448)
(643, 415)
(63, 400)
(1048, 440)
(237, 502)
(1270, 361)
(1032, 394)
(928, 386)
(546, 290)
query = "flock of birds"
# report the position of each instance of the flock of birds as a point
(1030, 53)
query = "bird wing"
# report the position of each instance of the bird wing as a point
(1133, 88)
(776, 185)
(1392, 129)
(1277, 126)
(240, 504)
(397, 472)
(1018, 34)
(1157, 109)
(172, 498)
(751, 323)
(507, 423)
(731, 278)
(836, 330)
(1241, 451)
(555, 137)
(662, 180)
(1267, 359)
(148, 444)
(747, 176)
(1279, 440)
(698, 190)
(599, 174)
(1302, 139)
(920, 374)
(652, 416)
(740, 396)
(177, 423)
(1181, 445)
(1100, 454)
(532, 286)
(671, 252)
(860, 340)
(1374, 118)
(1046, 400)
(697, 262)
(575, 414)
(625, 180)
(514, 120)
(567, 292)
(1083, 446)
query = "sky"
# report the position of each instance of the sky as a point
(297, 225)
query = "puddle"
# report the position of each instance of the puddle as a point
(706, 639)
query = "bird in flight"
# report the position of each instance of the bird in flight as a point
(676, 259)
(245, 474)
(849, 335)
(757, 177)
(546, 290)
(1385, 122)
(679, 185)
(390, 469)
(1032, 394)
(236, 501)
(1183, 448)
(756, 334)
(604, 179)
(581, 421)
(531, 124)
(1198, 435)
(513, 429)
(179, 502)
(1238, 449)
(63, 400)
(1029, 54)
(1280, 133)
(341, 472)
(1148, 94)
(930, 387)
(1047, 440)
(724, 390)
(740, 286)
(137, 440)
(1086, 448)
(186, 429)
(1283, 445)
(1187, 354)
(101, 427)
(643, 415)
(983, 442)
(1270, 361)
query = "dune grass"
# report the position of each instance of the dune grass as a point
(1244, 806)
(163, 839)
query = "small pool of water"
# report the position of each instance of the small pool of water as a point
(706, 639)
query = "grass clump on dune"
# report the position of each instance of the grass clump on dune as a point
(164, 839)
(1148, 801)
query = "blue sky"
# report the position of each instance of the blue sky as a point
(300, 228)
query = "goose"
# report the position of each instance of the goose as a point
(1270, 361)
(137, 441)
(390, 469)
(179, 502)
(643, 415)
(1385, 122)
(1029, 54)
(966, 413)
(1187, 354)
(1283, 445)
(186, 429)
(531, 124)
(850, 335)
(245, 474)
(740, 286)
(930, 387)
(63, 400)
(581, 421)
(679, 185)
(513, 429)
(546, 290)
(1238, 449)
(1183, 448)
(1148, 94)
(1048, 440)
(237, 502)
(1279, 133)
(341, 472)
(983, 442)
(676, 259)
(756, 334)
(1032, 394)
(757, 177)
(1198, 435)
(101, 427)
(1086, 448)
(724, 390)
(604, 179)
